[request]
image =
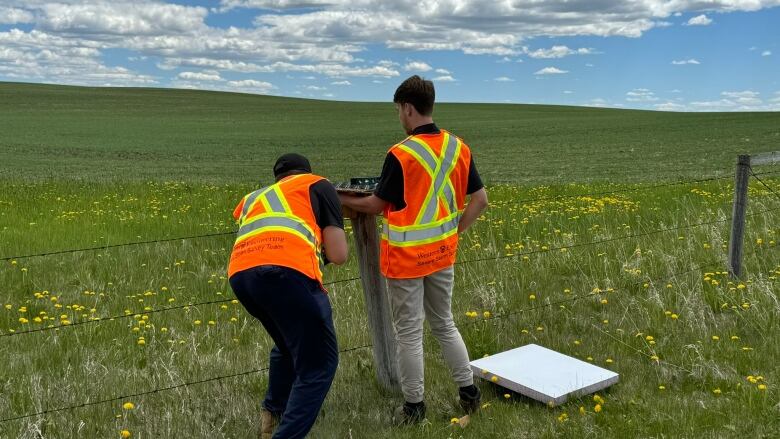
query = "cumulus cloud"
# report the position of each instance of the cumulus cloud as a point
(685, 61)
(699, 20)
(341, 83)
(15, 15)
(766, 53)
(503, 79)
(417, 66)
(550, 71)
(200, 76)
(559, 52)
(641, 95)
(313, 36)
(444, 78)
(443, 71)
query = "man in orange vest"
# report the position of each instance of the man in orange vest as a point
(275, 271)
(422, 193)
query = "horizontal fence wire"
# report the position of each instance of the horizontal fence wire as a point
(232, 232)
(153, 391)
(469, 261)
(238, 374)
(142, 313)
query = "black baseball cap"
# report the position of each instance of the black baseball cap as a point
(291, 162)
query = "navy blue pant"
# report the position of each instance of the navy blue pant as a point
(297, 314)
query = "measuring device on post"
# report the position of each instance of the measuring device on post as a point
(358, 186)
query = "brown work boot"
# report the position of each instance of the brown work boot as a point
(268, 423)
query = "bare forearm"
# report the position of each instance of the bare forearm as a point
(370, 204)
(477, 204)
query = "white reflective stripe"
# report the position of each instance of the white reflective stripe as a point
(450, 197)
(443, 172)
(420, 234)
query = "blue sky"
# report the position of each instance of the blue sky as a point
(702, 55)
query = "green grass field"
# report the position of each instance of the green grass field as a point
(594, 245)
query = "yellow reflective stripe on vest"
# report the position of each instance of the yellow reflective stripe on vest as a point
(406, 236)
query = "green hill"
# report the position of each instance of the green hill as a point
(52, 131)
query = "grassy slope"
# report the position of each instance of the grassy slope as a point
(55, 131)
(130, 136)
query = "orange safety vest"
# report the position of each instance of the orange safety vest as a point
(422, 238)
(276, 226)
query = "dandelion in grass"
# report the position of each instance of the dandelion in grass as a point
(507, 396)
(125, 434)
(128, 406)
(761, 387)
(486, 314)
(597, 408)
(494, 379)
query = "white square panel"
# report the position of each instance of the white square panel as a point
(543, 374)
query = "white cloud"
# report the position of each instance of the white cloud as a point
(252, 86)
(444, 78)
(503, 79)
(341, 83)
(567, 92)
(443, 71)
(686, 61)
(669, 106)
(559, 52)
(200, 76)
(315, 88)
(417, 66)
(15, 16)
(641, 95)
(550, 71)
(766, 53)
(122, 18)
(699, 20)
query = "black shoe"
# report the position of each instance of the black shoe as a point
(469, 398)
(408, 414)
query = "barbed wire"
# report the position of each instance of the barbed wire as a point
(514, 255)
(153, 391)
(756, 176)
(142, 313)
(232, 232)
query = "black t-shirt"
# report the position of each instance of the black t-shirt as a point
(326, 204)
(391, 182)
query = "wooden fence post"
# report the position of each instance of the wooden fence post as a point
(377, 302)
(738, 216)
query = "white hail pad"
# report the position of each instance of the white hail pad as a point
(543, 374)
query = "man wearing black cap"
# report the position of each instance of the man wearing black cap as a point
(287, 232)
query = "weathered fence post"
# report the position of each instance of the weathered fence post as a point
(738, 215)
(377, 302)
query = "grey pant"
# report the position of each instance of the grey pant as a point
(412, 301)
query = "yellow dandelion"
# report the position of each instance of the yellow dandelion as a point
(582, 410)
(128, 406)
(507, 396)
(494, 379)
(198, 322)
(454, 421)
(661, 387)
(125, 434)
(486, 314)
(532, 297)
(717, 391)
(597, 408)
(761, 387)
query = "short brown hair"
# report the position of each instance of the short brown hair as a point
(416, 91)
